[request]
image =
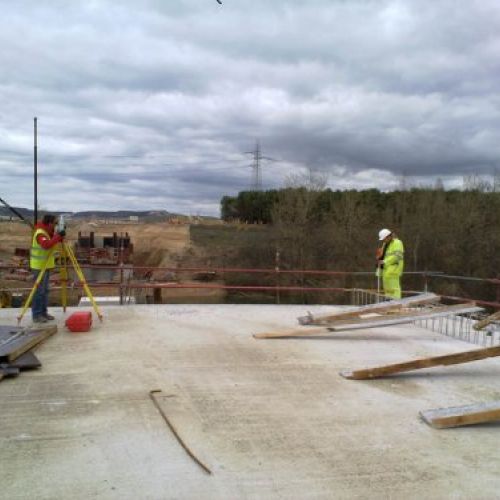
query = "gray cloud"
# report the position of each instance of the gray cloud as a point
(154, 104)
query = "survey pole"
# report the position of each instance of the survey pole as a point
(35, 173)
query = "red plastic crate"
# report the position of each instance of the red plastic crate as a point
(79, 322)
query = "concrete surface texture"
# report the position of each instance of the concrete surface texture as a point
(271, 418)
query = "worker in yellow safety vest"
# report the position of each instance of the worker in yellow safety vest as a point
(42, 243)
(390, 263)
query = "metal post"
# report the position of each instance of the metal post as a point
(277, 269)
(121, 283)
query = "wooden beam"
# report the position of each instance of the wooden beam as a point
(486, 321)
(458, 416)
(363, 323)
(426, 298)
(291, 333)
(447, 359)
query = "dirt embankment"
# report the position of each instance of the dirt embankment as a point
(155, 244)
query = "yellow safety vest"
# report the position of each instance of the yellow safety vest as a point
(39, 255)
(393, 259)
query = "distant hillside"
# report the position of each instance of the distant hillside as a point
(25, 212)
(119, 214)
(148, 215)
(92, 214)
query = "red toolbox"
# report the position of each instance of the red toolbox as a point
(79, 322)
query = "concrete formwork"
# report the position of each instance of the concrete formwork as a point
(271, 418)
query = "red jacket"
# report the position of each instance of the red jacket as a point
(42, 240)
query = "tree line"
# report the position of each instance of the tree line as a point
(456, 231)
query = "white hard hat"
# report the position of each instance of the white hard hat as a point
(383, 233)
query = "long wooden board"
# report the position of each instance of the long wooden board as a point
(457, 416)
(362, 323)
(486, 321)
(18, 341)
(445, 360)
(391, 305)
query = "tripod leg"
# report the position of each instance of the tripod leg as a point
(82, 279)
(64, 278)
(35, 286)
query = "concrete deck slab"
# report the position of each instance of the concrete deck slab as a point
(271, 418)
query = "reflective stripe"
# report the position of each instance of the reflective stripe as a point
(396, 253)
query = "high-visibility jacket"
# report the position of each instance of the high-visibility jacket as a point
(39, 255)
(393, 259)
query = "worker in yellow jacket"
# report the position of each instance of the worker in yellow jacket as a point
(41, 256)
(390, 263)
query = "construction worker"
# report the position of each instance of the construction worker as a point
(43, 241)
(390, 263)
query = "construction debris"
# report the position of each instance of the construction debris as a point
(445, 360)
(15, 341)
(374, 320)
(15, 346)
(390, 306)
(458, 416)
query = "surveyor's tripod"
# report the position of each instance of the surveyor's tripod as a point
(66, 254)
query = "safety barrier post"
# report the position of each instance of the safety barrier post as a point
(121, 283)
(277, 269)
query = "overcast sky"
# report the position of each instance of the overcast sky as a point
(153, 104)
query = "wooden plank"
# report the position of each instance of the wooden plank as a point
(22, 341)
(457, 416)
(445, 360)
(360, 324)
(426, 298)
(291, 333)
(486, 321)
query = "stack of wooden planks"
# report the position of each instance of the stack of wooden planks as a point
(389, 313)
(15, 348)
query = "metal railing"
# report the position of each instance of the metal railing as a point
(130, 278)
(457, 326)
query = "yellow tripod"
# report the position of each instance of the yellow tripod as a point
(66, 253)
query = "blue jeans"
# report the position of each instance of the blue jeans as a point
(41, 297)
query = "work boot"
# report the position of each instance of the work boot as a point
(48, 316)
(40, 319)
